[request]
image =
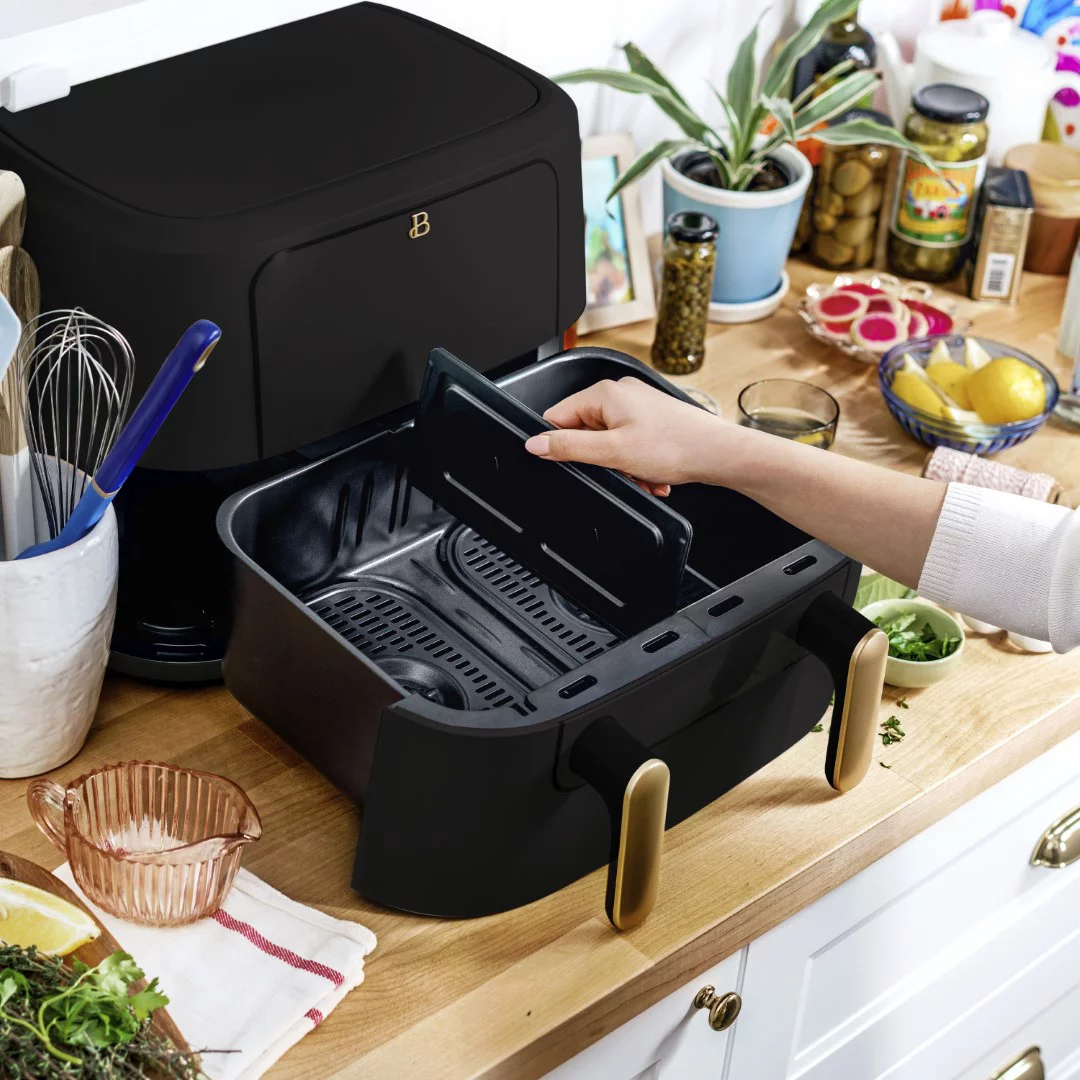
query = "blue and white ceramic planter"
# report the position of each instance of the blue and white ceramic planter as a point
(756, 227)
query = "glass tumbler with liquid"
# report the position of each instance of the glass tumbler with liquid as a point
(792, 409)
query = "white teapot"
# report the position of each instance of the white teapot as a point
(1012, 68)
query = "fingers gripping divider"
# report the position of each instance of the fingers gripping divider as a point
(584, 530)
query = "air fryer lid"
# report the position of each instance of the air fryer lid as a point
(266, 116)
(590, 532)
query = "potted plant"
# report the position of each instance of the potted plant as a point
(750, 175)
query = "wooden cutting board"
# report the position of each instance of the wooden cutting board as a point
(11, 866)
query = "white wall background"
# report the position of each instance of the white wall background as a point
(692, 41)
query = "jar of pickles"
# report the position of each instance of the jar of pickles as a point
(933, 215)
(685, 292)
(849, 186)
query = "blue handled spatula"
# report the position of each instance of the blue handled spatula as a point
(188, 356)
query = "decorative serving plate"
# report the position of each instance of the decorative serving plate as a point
(886, 283)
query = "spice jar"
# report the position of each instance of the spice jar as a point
(685, 292)
(933, 216)
(848, 190)
(1054, 174)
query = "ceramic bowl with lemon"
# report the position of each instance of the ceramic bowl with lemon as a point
(967, 393)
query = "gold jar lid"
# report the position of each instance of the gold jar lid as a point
(1054, 174)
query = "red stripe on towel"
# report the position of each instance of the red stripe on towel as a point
(314, 1016)
(223, 918)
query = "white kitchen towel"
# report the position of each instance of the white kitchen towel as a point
(255, 977)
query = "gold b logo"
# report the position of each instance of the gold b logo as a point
(420, 225)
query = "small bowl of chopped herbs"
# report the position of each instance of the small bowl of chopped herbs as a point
(925, 643)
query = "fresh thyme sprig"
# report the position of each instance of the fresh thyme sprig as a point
(60, 1022)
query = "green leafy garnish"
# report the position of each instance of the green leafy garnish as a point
(907, 643)
(81, 1021)
(891, 731)
(902, 703)
(817, 728)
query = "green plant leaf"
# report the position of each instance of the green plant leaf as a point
(837, 99)
(742, 81)
(833, 73)
(870, 131)
(11, 983)
(643, 162)
(640, 64)
(734, 126)
(631, 83)
(781, 109)
(723, 167)
(744, 173)
(778, 78)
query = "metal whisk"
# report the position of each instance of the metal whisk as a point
(73, 378)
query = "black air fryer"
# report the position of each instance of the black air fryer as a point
(340, 195)
(524, 669)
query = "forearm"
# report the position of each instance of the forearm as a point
(883, 518)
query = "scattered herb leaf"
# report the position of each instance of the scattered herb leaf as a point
(817, 728)
(891, 731)
(906, 643)
(902, 703)
(883, 765)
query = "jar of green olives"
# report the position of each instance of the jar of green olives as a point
(849, 186)
(933, 215)
(685, 292)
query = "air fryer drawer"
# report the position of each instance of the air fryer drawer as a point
(377, 298)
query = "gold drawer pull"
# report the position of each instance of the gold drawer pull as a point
(723, 1010)
(1060, 844)
(1027, 1065)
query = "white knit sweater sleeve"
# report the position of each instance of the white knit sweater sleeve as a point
(1007, 560)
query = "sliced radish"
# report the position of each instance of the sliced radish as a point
(839, 331)
(878, 332)
(919, 326)
(888, 305)
(863, 289)
(937, 321)
(838, 306)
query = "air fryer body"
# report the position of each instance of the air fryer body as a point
(466, 810)
(339, 194)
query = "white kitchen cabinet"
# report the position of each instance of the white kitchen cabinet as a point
(669, 1041)
(922, 964)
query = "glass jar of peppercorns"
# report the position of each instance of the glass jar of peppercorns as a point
(685, 292)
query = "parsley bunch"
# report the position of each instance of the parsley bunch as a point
(908, 644)
(81, 1022)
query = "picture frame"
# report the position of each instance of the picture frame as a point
(619, 280)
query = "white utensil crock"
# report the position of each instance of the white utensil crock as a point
(56, 618)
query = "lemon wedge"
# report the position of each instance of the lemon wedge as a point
(919, 393)
(951, 379)
(32, 916)
(940, 354)
(1007, 390)
(975, 356)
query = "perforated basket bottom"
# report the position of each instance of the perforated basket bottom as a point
(534, 605)
(415, 647)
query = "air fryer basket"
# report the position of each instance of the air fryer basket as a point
(493, 729)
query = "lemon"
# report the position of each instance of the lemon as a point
(975, 356)
(1007, 390)
(916, 391)
(32, 916)
(940, 354)
(952, 379)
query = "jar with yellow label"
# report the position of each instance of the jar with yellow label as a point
(933, 215)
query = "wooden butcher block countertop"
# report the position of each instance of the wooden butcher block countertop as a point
(514, 995)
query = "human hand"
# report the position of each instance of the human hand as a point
(633, 427)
